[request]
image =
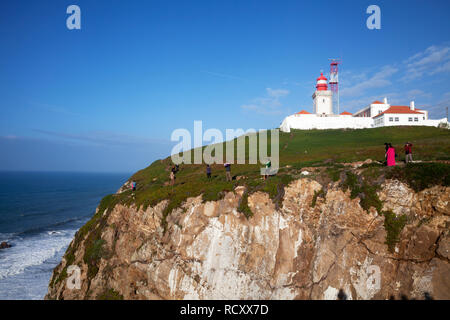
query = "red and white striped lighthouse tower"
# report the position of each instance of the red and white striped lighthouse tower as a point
(323, 104)
(321, 84)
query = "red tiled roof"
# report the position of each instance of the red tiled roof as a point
(399, 109)
(303, 112)
(345, 113)
(377, 102)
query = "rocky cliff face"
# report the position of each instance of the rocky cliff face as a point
(309, 247)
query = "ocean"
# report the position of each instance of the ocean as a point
(39, 215)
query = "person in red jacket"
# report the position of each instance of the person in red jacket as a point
(390, 156)
(408, 152)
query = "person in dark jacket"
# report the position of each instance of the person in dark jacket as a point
(408, 152)
(208, 171)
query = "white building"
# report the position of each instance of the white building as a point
(373, 109)
(377, 114)
(404, 116)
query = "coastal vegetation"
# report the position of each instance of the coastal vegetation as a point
(325, 155)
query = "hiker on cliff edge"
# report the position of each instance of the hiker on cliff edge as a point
(208, 171)
(228, 170)
(390, 156)
(133, 185)
(267, 169)
(172, 176)
(408, 152)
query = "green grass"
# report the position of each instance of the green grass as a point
(92, 255)
(334, 173)
(320, 193)
(420, 176)
(243, 206)
(393, 226)
(364, 188)
(93, 244)
(351, 182)
(109, 294)
(298, 149)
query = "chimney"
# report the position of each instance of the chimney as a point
(411, 106)
(385, 100)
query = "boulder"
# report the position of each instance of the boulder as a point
(4, 245)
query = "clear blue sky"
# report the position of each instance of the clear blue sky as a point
(108, 96)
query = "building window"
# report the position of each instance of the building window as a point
(416, 119)
(410, 119)
(396, 119)
(391, 119)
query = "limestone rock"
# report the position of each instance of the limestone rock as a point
(210, 250)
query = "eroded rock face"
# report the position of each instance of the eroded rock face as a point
(401, 199)
(212, 251)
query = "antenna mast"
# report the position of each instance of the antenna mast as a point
(334, 79)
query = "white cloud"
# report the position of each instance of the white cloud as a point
(102, 138)
(277, 93)
(377, 80)
(417, 93)
(443, 68)
(358, 86)
(269, 104)
(356, 104)
(433, 60)
(433, 54)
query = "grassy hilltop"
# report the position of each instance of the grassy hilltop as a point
(298, 149)
(323, 153)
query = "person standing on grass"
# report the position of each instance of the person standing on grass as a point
(172, 176)
(208, 171)
(390, 156)
(133, 185)
(386, 147)
(408, 152)
(268, 165)
(228, 170)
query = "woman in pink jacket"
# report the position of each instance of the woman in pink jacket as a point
(390, 156)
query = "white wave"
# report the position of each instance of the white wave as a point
(54, 232)
(32, 251)
(6, 237)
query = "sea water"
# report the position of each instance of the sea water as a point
(39, 215)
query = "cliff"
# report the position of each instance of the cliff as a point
(365, 230)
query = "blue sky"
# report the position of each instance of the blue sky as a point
(107, 97)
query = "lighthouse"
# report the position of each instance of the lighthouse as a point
(322, 97)
(376, 114)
